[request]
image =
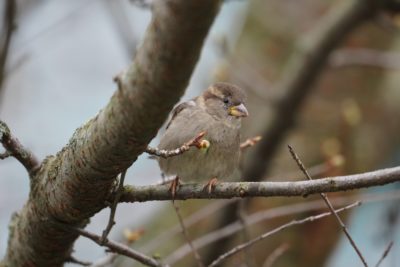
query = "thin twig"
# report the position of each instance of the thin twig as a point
(317, 170)
(10, 11)
(113, 207)
(242, 218)
(15, 148)
(275, 255)
(274, 231)
(5, 155)
(385, 253)
(177, 151)
(331, 208)
(205, 212)
(250, 142)
(130, 238)
(281, 211)
(365, 57)
(186, 235)
(225, 190)
(79, 262)
(120, 248)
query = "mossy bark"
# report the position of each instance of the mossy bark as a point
(72, 186)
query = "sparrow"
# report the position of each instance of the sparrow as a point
(217, 113)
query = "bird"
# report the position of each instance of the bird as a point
(217, 114)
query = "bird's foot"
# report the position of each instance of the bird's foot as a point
(211, 185)
(174, 186)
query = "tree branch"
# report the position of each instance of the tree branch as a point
(113, 207)
(73, 185)
(330, 206)
(225, 190)
(14, 148)
(10, 11)
(195, 142)
(385, 253)
(276, 230)
(120, 248)
(186, 235)
(264, 215)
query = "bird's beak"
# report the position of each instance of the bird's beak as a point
(238, 111)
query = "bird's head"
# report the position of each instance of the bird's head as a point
(225, 100)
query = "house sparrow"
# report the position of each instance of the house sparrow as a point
(217, 112)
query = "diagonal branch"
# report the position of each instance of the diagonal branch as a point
(73, 185)
(385, 253)
(195, 142)
(274, 231)
(282, 211)
(225, 190)
(120, 248)
(330, 206)
(113, 207)
(186, 235)
(14, 148)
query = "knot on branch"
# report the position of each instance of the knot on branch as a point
(4, 131)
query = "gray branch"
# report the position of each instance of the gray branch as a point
(15, 149)
(74, 184)
(225, 190)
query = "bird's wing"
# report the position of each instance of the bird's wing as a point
(183, 126)
(179, 108)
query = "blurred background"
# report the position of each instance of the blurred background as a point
(57, 63)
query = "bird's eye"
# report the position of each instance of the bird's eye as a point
(226, 100)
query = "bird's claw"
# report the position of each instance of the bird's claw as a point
(211, 185)
(174, 186)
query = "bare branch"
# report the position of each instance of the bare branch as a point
(250, 142)
(330, 206)
(275, 255)
(113, 207)
(14, 148)
(274, 231)
(280, 211)
(130, 238)
(120, 248)
(189, 221)
(186, 235)
(225, 190)
(79, 262)
(365, 57)
(322, 168)
(196, 142)
(385, 253)
(74, 184)
(248, 257)
(10, 12)
(5, 155)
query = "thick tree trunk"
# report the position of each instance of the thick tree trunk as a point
(72, 186)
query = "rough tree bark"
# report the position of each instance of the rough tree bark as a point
(73, 185)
